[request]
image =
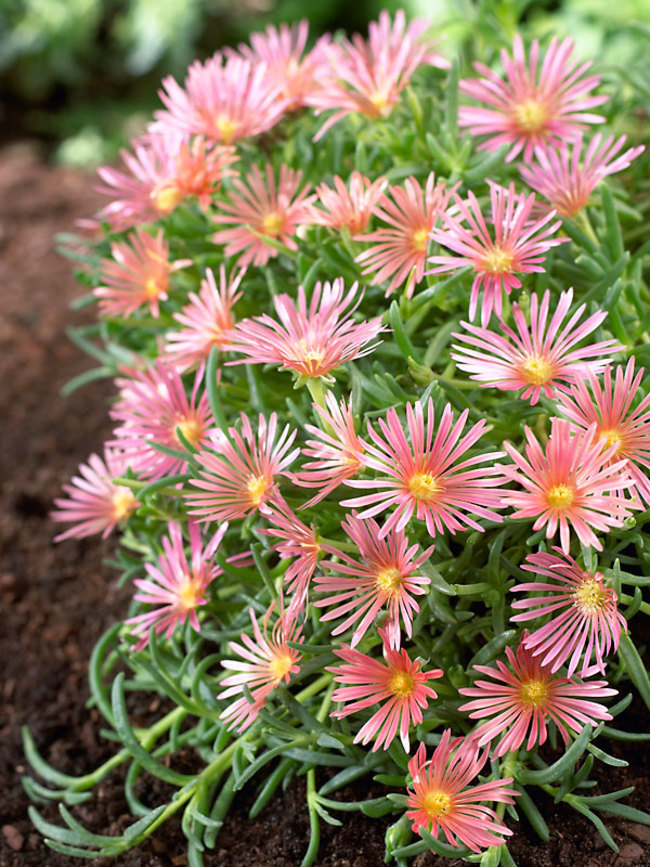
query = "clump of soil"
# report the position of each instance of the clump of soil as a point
(58, 599)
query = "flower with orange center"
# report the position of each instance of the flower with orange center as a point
(584, 616)
(238, 471)
(397, 684)
(573, 484)
(265, 661)
(542, 357)
(524, 696)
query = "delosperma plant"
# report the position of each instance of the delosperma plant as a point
(381, 450)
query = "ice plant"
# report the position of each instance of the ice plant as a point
(540, 357)
(348, 206)
(311, 339)
(368, 76)
(398, 684)
(443, 802)
(424, 474)
(337, 449)
(524, 697)
(137, 275)
(516, 243)
(584, 616)
(224, 100)
(265, 661)
(152, 408)
(206, 321)
(572, 484)
(386, 576)
(399, 253)
(259, 209)
(177, 585)
(610, 407)
(95, 503)
(238, 471)
(566, 181)
(536, 104)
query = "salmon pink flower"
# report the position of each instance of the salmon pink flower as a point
(572, 484)
(398, 684)
(260, 210)
(535, 105)
(238, 472)
(517, 244)
(443, 801)
(348, 206)
(337, 449)
(422, 474)
(310, 340)
(585, 619)
(609, 407)
(224, 100)
(566, 181)
(207, 320)
(95, 503)
(265, 661)
(152, 408)
(539, 358)
(137, 275)
(400, 252)
(525, 696)
(368, 76)
(386, 576)
(177, 585)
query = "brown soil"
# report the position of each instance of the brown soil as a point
(58, 599)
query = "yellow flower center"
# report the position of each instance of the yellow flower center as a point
(534, 692)
(123, 503)
(380, 102)
(166, 198)
(531, 115)
(189, 592)
(560, 496)
(280, 666)
(273, 224)
(436, 804)
(311, 358)
(153, 288)
(611, 438)
(424, 486)
(192, 430)
(226, 127)
(498, 261)
(401, 684)
(590, 597)
(257, 487)
(537, 370)
(389, 581)
(420, 240)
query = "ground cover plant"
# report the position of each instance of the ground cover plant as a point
(377, 320)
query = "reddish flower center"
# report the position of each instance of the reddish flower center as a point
(424, 486)
(590, 597)
(273, 224)
(436, 803)
(257, 486)
(401, 684)
(530, 116)
(560, 496)
(123, 503)
(536, 370)
(389, 581)
(534, 692)
(498, 261)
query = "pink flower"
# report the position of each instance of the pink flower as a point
(259, 211)
(164, 170)
(207, 320)
(152, 408)
(572, 484)
(266, 662)
(526, 697)
(386, 576)
(398, 684)
(401, 251)
(238, 472)
(422, 475)
(350, 206)
(442, 802)
(584, 614)
(369, 76)
(176, 585)
(519, 245)
(138, 274)
(337, 449)
(312, 340)
(609, 408)
(536, 358)
(567, 182)
(533, 106)
(223, 100)
(95, 503)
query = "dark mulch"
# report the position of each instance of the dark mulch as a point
(58, 599)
